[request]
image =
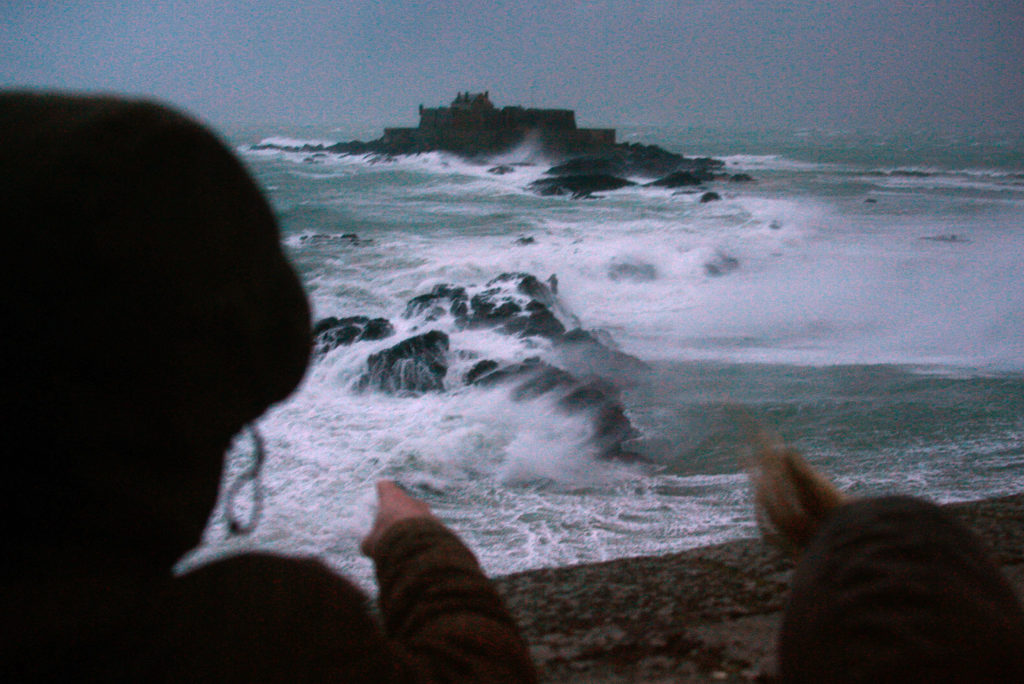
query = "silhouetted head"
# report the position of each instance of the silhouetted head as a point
(149, 314)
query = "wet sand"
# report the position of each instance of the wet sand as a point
(708, 614)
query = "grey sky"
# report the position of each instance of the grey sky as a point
(869, 64)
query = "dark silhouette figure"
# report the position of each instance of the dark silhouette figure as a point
(149, 314)
(887, 589)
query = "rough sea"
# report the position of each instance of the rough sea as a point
(863, 296)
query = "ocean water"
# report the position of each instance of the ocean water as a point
(863, 297)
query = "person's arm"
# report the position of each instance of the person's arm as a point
(442, 616)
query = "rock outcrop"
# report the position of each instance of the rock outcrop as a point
(596, 397)
(473, 128)
(578, 185)
(581, 378)
(330, 333)
(413, 366)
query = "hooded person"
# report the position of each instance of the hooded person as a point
(886, 589)
(149, 315)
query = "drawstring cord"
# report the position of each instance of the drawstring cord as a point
(250, 475)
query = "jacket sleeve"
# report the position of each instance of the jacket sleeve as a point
(443, 618)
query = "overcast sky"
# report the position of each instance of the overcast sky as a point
(836, 64)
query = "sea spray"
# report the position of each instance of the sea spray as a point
(815, 296)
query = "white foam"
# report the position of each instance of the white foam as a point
(814, 283)
(771, 162)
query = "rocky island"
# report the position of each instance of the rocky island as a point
(472, 125)
(586, 160)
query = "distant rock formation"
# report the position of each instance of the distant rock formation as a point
(680, 179)
(471, 126)
(578, 185)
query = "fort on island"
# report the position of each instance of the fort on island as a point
(473, 125)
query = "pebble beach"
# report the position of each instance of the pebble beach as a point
(704, 615)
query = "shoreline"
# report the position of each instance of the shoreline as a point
(706, 614)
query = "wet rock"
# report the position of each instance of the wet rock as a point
(480, 370)
(350, 238)
(516, 303)
(636, 159)
(578, 185)
(525, 240)
(534, 378)
(441, 300)
(330, 333)
(632, 270)
(553, 283)
(586, 165)
(538, 321)
(710, 197)
(501, 169)
(741, 178)
(620, 159)
(611, 426)
(413, 366)
(721, 264)
(680, 179)
(520, 303)
(592, 353)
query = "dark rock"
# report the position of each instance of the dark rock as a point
(721, 264)
(528, 285)
(614, 159)
(588, 165)
(539, 322)
(534, 378)
(679, 179)
(741, 178)
(350, 238)
(490, 308)
(330, 333)
(632, 270)
(541, 379)
(413, 366)
(949, 237)
(871, 200)
(635, 159)
(479, 370)
(517, 303)
(442, 299)
(579, 335)
(587, 353)
(525, 240)
(578, 186)
(501, 169)
(709, 197)
(611, 426)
